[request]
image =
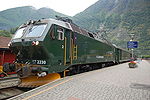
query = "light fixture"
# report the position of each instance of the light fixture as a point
(35, 42)
(9, 44)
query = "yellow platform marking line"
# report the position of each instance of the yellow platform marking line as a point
(46, 89)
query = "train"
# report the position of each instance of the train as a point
(48, 49)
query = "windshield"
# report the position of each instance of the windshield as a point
(36, 30)
(19, 33)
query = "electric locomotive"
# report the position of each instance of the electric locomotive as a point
(47, 49)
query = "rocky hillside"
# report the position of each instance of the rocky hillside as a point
(119, 18)
(115, 20)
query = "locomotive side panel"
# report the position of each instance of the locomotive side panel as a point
(54, 49)
(93, 51)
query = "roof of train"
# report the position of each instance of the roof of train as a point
(71, 26)
(75, 28)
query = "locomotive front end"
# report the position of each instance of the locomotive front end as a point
(32, 57)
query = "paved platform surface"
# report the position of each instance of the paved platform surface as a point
(118, 82)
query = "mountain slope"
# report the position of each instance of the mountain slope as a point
(13, 17)
(121, 18)
(117, 19)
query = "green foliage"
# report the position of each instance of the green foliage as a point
(113, 21)
(12, 18)
(133, 16)
(146, 56)
(5, 33)
(13, 30)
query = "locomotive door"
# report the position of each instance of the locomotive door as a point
(70, 49)
(117, 57)
(67, 47)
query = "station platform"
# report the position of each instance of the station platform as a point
(117, 82)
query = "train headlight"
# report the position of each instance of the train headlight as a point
(35, 43)
(9, 44)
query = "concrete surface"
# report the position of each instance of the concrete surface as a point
(117, 82)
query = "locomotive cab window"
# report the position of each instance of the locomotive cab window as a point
(60, 34)
(36, 30)
(19, 33)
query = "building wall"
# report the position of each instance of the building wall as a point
(6, 57)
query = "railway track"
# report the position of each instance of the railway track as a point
(6, 93)
(8, 87)
(10, 81)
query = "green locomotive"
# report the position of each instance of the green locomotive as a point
(47, 48)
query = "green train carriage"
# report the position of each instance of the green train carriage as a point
(46, 48)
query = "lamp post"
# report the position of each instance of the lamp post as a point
(132, 37)
(132, 52)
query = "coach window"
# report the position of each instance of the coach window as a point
(60, 34)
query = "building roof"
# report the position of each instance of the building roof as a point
(4, 42)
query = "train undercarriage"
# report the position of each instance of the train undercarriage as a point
(34, 80)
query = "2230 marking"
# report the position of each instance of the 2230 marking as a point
(40, 62)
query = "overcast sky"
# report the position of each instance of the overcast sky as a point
(68, 7)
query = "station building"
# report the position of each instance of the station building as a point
(6, 56)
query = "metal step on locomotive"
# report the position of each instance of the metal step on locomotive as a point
(49, 49)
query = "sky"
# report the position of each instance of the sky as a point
(68, 7)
